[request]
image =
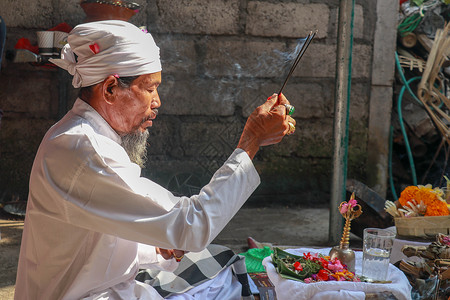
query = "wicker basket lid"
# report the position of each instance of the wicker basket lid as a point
(99, 10)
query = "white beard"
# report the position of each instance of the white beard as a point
(135, 144)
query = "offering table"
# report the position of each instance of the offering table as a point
(290, 289)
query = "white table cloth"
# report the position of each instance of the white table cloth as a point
(291, 289)
(397, 254)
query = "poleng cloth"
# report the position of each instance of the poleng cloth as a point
(196, 268)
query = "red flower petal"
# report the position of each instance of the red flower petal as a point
(298, 266)
(322, 275)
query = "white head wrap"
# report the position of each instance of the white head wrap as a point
(121, 47)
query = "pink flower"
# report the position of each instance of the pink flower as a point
(352, 203)
(446, 240)
(344, 208)
(335, 266)
(308, 280)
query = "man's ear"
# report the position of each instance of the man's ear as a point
(109, 87)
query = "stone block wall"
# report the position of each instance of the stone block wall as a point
(221, 59)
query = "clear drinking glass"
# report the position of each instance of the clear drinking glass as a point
(377, 247)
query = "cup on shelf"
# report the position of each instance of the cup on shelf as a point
(45, 42)
(377, 248)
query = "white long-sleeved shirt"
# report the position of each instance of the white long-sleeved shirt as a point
(89, 208)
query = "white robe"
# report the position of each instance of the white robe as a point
(89, 208)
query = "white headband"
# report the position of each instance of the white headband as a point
(106, 48)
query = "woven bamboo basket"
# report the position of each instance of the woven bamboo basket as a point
(422, 227)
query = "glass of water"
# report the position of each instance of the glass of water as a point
(377, 247)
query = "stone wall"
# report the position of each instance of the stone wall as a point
(221, 59)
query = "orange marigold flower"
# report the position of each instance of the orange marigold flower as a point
(429, 197)
(408, 194)
(426, 195)
(437, 208)
(339, 276)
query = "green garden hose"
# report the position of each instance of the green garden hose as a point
(409, 24)
(402, 127)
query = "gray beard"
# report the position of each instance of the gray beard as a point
(135, 144)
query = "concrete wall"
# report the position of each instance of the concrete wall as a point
(221, 59)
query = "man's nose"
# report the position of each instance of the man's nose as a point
(156, 101)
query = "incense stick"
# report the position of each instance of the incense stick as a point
(305, 45)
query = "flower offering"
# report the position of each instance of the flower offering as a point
(416, 201)
(311, 267)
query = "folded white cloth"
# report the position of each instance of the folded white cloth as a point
(291, 289)
(96, 50)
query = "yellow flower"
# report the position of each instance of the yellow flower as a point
(339, 275)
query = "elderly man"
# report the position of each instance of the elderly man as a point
(89, 211)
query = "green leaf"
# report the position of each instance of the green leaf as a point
(282, 260)
(277, 252)
(417, 2)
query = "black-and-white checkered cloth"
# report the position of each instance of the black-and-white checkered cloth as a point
(196, 268)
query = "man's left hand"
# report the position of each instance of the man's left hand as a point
(170, 253)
